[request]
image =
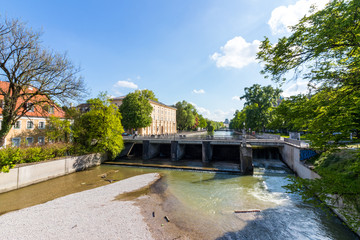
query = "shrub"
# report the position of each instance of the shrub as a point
(11, 156)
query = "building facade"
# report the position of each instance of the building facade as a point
(31, 128)
(163, 119)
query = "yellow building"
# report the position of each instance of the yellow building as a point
(31, 127)
(163, 119)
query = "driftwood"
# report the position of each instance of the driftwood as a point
(247, 211)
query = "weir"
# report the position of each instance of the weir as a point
(207, 151)
(237, 152)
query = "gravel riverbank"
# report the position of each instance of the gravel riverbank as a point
(91, 214)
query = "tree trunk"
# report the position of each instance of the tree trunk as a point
(2, 141)
(5, 128)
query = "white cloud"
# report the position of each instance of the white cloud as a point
(118, 92)
(236, 98)
(217, 115)
(284, 16)
(200, 91)
(236, 53)
(126, 84)
(291, 89)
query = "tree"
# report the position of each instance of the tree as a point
(31, 75)
(148, 94)
(185, 115)
(324, 49)
(238, 122)
(259, 101)
(293, 114)
(136, 109)
(59, 129)
(202, 122)
(100, 129)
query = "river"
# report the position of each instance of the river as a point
(206, 201)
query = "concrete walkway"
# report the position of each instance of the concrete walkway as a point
(92, 214)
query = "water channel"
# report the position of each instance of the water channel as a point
(205, 201)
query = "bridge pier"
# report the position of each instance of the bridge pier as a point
(207, 152)
(246, 159)
(127, 149)
(177, 151)
(150, 150)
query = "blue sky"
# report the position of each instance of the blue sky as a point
(199, 51)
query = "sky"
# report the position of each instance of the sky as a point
(199, 51)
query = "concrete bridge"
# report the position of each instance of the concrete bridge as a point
(208, 150)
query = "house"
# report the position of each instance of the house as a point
(31, 127)
(163, 118)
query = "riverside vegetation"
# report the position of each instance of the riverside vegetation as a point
(323, 49)
(98, 130)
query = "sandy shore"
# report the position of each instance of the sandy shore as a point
(92, 214)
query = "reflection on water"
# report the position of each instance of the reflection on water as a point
(206, 201)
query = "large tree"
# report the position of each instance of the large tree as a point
(31, 75)
(238, 122)
(293, 114)
(186, 115)
(136, 109)
(100, 129)
(258, 102)
(323, 48)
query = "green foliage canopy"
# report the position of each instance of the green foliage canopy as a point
(258, 103)
(59, 130)
(100, 129)
(136, 109)
(186, 115)
(238, 122)
(202, 122)
(323, 47)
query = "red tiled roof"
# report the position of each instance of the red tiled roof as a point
(38, 110)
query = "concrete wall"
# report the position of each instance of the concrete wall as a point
(25, 175)
(296, 142)
(291, 156)
(150, 150)
(269, 136)
(246, 159)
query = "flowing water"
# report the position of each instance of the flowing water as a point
(206, 201)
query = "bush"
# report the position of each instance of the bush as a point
(9, 157)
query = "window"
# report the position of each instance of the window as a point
(29, 124)
(15, 142)
(30, 107)
(41, 125)
(51, 109)
(41, 140)
(29, 141)
(17, 125)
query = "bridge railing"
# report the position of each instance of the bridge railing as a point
(184, 137)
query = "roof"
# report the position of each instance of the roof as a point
(150, 100)
(38, 110)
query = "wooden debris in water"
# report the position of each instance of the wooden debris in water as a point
(247, 211)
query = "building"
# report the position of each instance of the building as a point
(163, 118)
(30, 128)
